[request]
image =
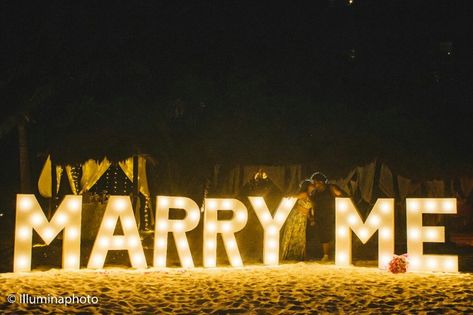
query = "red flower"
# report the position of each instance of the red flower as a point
(398, 264)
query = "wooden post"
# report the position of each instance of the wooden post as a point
(136, 191)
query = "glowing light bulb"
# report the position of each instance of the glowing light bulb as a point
(110, 223)
(163, 202)
(210, 262)
(22, 262)
(414, 233)
(71, 260)
(48, 233)
(271, 243)
(341, 257)
(342, 231)
(118, 241)
(272, 230)
(342, 206)
(352, 219)
(449, 264)
(97, 260)
(432, 262)
(133, 241)
(231, 245)
(25, 203)
(104, 242)
(374, 220)
(413, 205)
(279, 217)
(178, 226)
(162, 225)
(194, 215)
(128, 223)
(161, 243)
(385, 207)
(385, 260)
(137, 258)
(258, 202)
(212, 205)
(187, 262)
(120, 204)
(36, 219)
(226, 226)
(227, 204)
(180, 202)
(72, 232)
(210, 245)
(241, 216)
(24, 232)
(271, 258)
(161, 261)
(265, 217)
(288, 202)
(385, 233)
(447, 205)
(74, 205)
(61, 218)
(430, 205)
(363, 233)
(211, 227)
(182, 244)
(431, 234)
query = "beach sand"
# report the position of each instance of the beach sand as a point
(299, 288)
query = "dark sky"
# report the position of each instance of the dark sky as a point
(280, 83)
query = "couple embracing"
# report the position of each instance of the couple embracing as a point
(315, 206)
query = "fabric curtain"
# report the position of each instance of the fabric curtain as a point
(127, 167)
(346, 184)
(71, 179)
(466, 185)
(386, 184)
(403, 186)
(365, 177)
(91, 173)
(435, 188)
(45, 180)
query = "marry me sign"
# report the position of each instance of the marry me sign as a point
(30, 217)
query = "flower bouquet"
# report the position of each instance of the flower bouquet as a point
(398, 264)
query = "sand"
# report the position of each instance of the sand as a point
(299, 288)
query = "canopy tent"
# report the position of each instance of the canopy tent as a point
(92, 172)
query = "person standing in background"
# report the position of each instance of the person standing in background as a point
(293, 243)
(323, 203)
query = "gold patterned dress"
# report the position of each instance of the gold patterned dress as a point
(293, 245)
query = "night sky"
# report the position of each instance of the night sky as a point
(240, 82)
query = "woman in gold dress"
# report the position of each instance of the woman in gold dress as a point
(293, 245)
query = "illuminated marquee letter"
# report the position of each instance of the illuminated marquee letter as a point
(227, 228)
(118, 207)
(29, 216)
(417, 234)
(271, 225)
(177, 227)
(380, 218)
